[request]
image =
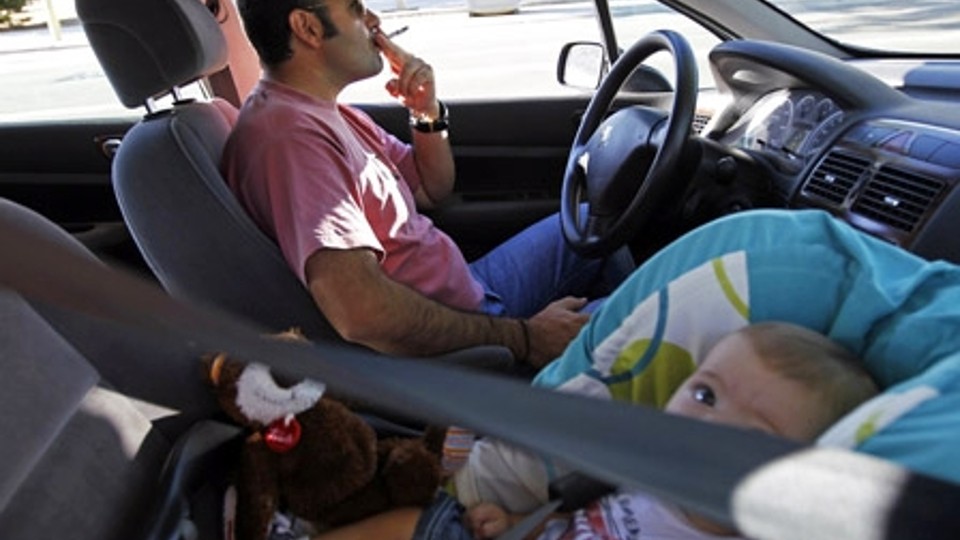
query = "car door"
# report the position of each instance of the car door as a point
(59, 123)
(61, 169)
(510, 156)
(512, 122)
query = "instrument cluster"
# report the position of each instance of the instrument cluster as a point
(791, 124)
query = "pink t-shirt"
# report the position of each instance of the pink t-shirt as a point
(317, 175)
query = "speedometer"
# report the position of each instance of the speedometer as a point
(823, 132)
(780, 121)
(825, 109)
(771, 123)
(807, 109)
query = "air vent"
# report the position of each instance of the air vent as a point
(898, 197)
(699, 122)
(835, 176)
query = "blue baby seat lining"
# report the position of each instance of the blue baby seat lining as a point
(898, 312)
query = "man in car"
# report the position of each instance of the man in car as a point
(340, 196)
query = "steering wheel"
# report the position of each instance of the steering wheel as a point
(621, 168)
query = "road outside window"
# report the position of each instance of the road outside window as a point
(50, 72)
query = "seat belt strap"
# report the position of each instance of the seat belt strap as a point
(567, 493)
(528, 524)
(700, 466)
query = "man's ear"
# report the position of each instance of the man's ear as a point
(305, 27)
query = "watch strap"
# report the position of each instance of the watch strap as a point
(431, 125)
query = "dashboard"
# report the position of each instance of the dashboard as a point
(842, 137)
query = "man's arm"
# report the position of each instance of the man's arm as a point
(367, 307)
(434, 159)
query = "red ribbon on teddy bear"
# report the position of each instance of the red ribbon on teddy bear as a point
(283, 434)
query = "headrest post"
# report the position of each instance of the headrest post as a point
(151, 105)
(177, 94)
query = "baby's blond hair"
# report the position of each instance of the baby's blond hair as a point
(834, 374)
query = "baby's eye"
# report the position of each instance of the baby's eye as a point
(704, 394)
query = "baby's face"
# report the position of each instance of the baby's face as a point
(733, 386)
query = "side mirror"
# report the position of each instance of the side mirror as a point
(582, 65)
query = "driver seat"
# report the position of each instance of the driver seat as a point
(193, 234)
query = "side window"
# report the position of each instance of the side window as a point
(635, 18)
(515, 54)
(49, 70)
(477, 52)
(484, 56)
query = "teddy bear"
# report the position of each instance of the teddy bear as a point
(311, 456)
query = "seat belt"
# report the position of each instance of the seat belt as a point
(706, 468)
(566, 494)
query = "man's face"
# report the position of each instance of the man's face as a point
(351, 54)
(734, 386)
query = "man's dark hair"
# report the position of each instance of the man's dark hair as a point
(267, 26)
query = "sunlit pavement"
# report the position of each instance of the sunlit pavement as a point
(37, 35)
(929, 18)
(59, 61)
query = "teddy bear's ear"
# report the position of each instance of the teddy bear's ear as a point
(220, 371)
(211, 365)
(223, 374)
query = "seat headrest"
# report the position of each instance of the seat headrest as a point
(148, 47)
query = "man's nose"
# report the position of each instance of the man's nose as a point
(372, 19)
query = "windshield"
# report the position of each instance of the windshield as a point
(918, 26)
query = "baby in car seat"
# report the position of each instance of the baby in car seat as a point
(774, 377)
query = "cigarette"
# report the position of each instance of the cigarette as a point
(397, 32)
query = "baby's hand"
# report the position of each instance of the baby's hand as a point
(487, 520)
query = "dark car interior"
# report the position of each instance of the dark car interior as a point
(798, 130)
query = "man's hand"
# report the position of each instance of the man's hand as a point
(414, 84)
(415, 87)
(552, 329)
(367, 307)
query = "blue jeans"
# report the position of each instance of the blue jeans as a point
(442, 520)
(536, 267)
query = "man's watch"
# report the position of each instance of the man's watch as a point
(424, 124)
